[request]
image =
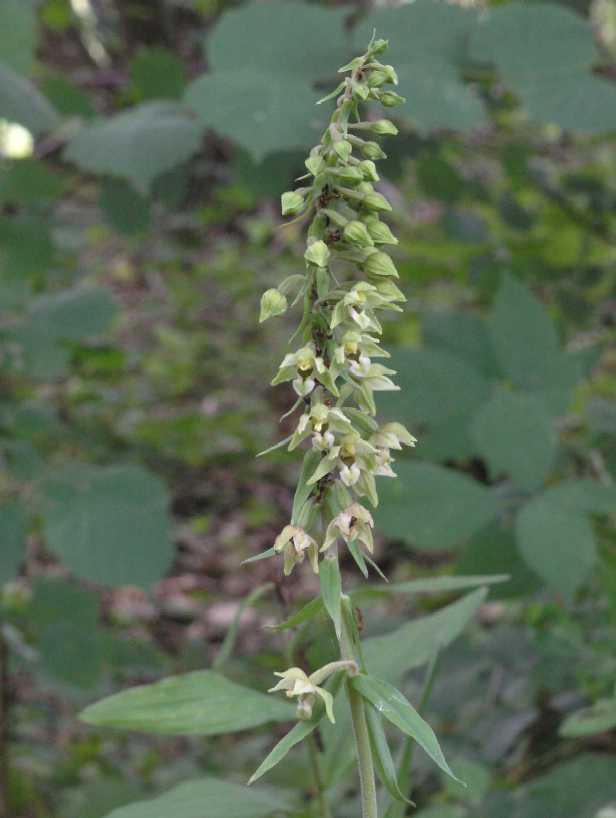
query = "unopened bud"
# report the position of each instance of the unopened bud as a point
(343, 149)
(390, 99)
(292, 203)
(273, 302)
(357, 233)
(360, 90)
(348, 175)
(380, 264)
(383, 127)
(315, 164)
(368, 169)
(378, 46)
(377, 78)
(380, 232)
(317, 253)
(376, 201)
(372, 150)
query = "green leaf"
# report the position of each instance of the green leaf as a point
(514, 434)
(71, 315)
(260, 92)
(331, 589)
(462, 334)
(436, 386)
(139, 144)
(298, 733)
(71, 653)
(556, 542)
(18, 35)
(545, 54)
(398, 710)
(125, 209)
(156, 74)
(589, 721)
(432, 507)
(220, 799)
(427, 47)
(109, 525)
(383, 761)
(21, 102)
(522, 333)
(494, 549)
(584, 496)
(577, 788)
(309, 611)
(416, 642)
(200, 703)
(13, 529)
(433, 585)
(303, 490)
(28, 181)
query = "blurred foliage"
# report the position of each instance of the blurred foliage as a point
(143, 149)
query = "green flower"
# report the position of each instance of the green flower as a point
(294, 544)
(296, 683)
(354, 523)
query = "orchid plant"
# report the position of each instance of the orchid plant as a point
(335, 372)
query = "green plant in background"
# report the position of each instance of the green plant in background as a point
(348, 280)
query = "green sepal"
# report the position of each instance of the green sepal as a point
(264, 555)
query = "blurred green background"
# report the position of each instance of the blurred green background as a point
(143, 148)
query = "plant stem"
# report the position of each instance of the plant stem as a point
(369, 807)
(365, 764)
(313, 751)
(5, 705)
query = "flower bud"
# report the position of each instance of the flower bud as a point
(378, 46)
(380, 264)
(292, 203)
(357, 233)
(380, 232)
(368, 170)
(390, 99)
(360, 90)
(389, 290)
(347, 175)
(317, 253)
(315, 164)
(375, 201)
(372, 150)
(273, 302)
(377, 78)
(383, 127)
(343, 149)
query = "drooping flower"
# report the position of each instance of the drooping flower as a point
(296, 683)
(294, 543)
(354, 523)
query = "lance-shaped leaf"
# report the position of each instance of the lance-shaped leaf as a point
(200, 703)
(331, 589)
(383, 761)
(399, 711)
(208, 796)
(298, 733)
(416, 642)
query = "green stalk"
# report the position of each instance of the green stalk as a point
(365, 763)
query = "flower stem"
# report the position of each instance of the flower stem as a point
(365, 764)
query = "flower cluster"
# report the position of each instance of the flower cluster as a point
(349, 280)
